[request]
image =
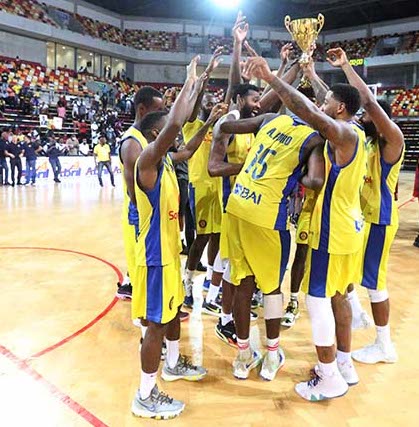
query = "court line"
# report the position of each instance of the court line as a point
(92, 322)
(54, 390)
(412, 199)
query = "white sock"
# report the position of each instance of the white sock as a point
(244, 347)
(172, 355)
(210, 270)
(294, 296)
(272, 345)
(328, 369)
(355, 303)
(383, 334)
(189, 275)
(126, 280)
(225, 318)
(212, 293)
(147, 383)
(143, 330)
(343, 357)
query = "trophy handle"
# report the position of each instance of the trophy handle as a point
(287, 22)
(320, 23)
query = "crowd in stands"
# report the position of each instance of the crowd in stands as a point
(171, 42)
(406, 103)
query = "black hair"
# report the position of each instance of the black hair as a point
(145, 96)
(385, 106)
(243, 90)
(149, 121)
(347, 94)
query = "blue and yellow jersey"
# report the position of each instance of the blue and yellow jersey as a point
(337, 222)
(270, 173)
(377, 198)
(198, 163)
(158, 243)
(237, 151)
(135, 134)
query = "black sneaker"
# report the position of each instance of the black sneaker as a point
(227, 333)
(201, 267)
(124, 291)
(163, 349)
(211, 308)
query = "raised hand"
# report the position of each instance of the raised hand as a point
(199, 84)
(241, 28)
(215, 59)
(337, 57)
(217, 111)
(257, 67)
(308, 69)
(191, 68)
(250, 49)
(286, 51)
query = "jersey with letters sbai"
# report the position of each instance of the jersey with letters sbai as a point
(270, 173)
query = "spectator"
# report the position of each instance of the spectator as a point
(72, 144)
(82, 129)
(102, 153)
(94, 129)
(61, 110)
(51, 92)
(54, 151)
(4, 153)
(75, 112)
(104, 100)
(84, 149)
(82, 110)
(35, 105)
(15, 148)
(31, 150)
(4, 80)
(44, 108)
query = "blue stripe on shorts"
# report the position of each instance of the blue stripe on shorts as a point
(154, 294)
(318, 273)
(373, 255)
(285, 239)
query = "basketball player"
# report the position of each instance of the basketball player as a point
(336, 229)
(160, 290)
(146, 100)
(203, 190)
(256, 224)
(385, 157)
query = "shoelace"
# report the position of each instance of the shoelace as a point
(185, 364)
(314, 381)
(162, 398)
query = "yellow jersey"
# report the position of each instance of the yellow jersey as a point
(377, 198)
(198, 163)
(237, 151)
(337, 223)
(158, 243)
(102, 152)
(270, 173)
(135, 134)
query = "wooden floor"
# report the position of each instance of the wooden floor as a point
(69, 353)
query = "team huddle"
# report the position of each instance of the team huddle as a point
(246, 158)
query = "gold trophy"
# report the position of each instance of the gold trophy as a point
(305, 32)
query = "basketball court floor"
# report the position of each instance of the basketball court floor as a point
(69, 352)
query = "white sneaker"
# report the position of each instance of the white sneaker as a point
(321, 387)
(347, 370)
(243, 366)
(271, 367)
(376, 353)
(363, 321)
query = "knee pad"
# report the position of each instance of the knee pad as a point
(377, 296)
(322, 320)
(218, 264)
(273, 306)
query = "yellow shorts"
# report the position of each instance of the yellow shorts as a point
(377, 244)
(129, 234)
(205, 202)
(158, 292)
(325, 274)
(223, 237)
(303, 228)
(257, 251)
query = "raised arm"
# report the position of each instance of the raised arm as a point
(243, 126)
(319, 86)
(214, 63)
(240, 30)
(189, 149)
(151, 157)
(337, 132)
(393, 136)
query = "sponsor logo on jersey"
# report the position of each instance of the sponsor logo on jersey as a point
(173, 215)
(247, 194)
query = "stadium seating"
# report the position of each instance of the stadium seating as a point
(153, 40)
(406, 103)
(28, 9)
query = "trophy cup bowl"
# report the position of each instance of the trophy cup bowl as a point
(304, 32)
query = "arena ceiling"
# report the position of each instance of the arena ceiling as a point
(338, 13)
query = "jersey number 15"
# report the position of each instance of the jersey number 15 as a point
(258, 166)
